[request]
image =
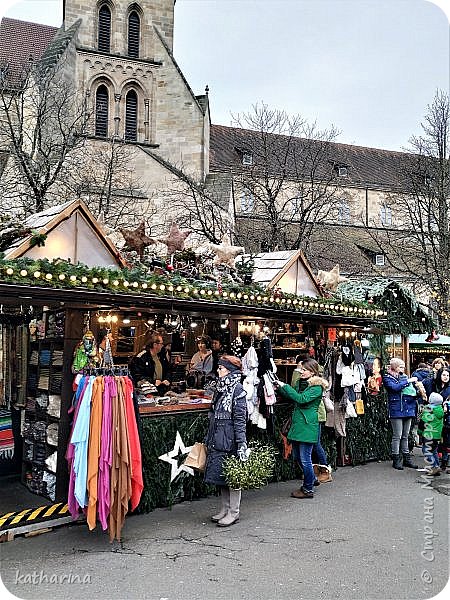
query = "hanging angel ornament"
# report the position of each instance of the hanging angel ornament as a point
(225, 252)
(137, 239)
(175, 239)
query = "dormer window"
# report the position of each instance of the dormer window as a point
(342, 170)
(379, 260)
(247, 159)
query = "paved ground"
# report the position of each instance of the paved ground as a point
(373, 533)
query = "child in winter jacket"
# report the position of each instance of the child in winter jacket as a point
(430, 430)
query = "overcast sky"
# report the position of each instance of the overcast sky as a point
(369, 67)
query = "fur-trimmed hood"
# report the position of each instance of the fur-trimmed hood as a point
(316, 380)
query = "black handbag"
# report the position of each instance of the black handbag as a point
(195, 380)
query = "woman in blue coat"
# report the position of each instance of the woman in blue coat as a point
(226, 435)
(402, 409)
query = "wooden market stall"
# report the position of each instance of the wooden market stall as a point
(62, 315)
(48, 305)
(424, 347)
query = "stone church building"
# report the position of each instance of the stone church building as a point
(118, 55)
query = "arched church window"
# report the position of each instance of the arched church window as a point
(134, 27)
(131, 112)
(101, 111)
(104, 28)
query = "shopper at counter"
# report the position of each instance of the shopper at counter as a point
(402, 409)
(151, 363)
(201, 364)
(217, 351)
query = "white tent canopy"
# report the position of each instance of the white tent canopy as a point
(286, 269)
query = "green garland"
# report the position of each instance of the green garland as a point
(157, 435)
(369, 435)
(64, 275)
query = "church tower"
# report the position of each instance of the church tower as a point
(126, 69)
(122, 27)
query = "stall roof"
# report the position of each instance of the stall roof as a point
(419, 339)
(91, 299)
(403, 310)
(287, 269)
(72, 233)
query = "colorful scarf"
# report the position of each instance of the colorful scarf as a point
(225, 389)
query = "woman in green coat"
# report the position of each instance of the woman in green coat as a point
(304, 431)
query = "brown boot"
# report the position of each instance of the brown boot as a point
(302, 494)
(323, 473)
(434, 471)
(232, 515)
(225, 496)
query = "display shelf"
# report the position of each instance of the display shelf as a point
(44, 379)
(287, 334)
(288, 347)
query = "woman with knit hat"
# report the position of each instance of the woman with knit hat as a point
(226, 435)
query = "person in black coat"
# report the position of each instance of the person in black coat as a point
(217, 351)
(152, 363)
(226, 435)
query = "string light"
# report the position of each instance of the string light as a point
(298, 303)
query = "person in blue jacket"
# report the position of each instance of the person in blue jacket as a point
(402, 409)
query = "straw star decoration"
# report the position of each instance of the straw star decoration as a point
(225, 252)
(137, 239)
(175, 239)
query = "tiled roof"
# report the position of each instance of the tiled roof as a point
(370, 167)
(21, 41)
(353, 248)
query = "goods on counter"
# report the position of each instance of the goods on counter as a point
(191, 397)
